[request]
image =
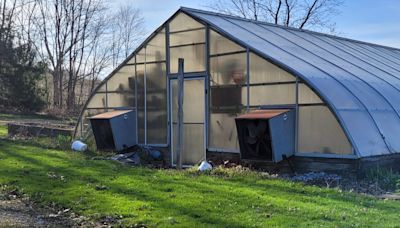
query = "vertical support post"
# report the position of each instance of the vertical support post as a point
(106, 97)
(145, 95)
(180, 113)
(248, 78)
(296, 127)
(207, 92)
(136, 104)
(169, 110)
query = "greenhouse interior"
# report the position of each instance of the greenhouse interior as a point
(233, 67)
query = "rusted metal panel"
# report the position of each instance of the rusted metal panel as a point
(109, 115)
(263, 114)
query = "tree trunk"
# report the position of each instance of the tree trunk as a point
(56, 91)
(70, 95)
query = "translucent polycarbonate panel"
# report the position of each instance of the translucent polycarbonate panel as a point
(228, 91)
(97, 101)
(389, 123)
(131, 60)
(140, 103)
(364, 133)
(193, 101)
(193, 144)
(101, 88)
(307, 96)
(84, 130)
(155, 49)
(219, 44)
(223, 134)
(193, 120)
(228, 98)
(317, 77)
(122, 80)
(273, 94)
(116, 100)
(188, 37)
(194, 58)
(262, 71)
(93, 112)
(156, 126)
(320, 132)
(228, 69)
(156, 96)
(82, 125)
(141, 56)
(183, 22)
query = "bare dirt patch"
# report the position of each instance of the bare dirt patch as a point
(20, 213)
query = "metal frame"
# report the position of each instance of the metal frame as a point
(296, 120)
(136, 104)
(228, 53)
(275, 62)
(248, 77)
(206, 76)
(186, 45)
(207, 90)
(345, 86)
(222, 150)
(322, 155)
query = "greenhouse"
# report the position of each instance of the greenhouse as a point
(345, 94)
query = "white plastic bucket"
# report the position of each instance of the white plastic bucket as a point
(78, 146)
(204, 166)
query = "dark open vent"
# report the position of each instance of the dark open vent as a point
(266, 134)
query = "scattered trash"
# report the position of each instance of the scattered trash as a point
(155, 154)
(204, 166)
(78, 146)
(150, 152)
(229, 164)
(129, 158)
(101, 187)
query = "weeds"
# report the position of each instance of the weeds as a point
(384, 178)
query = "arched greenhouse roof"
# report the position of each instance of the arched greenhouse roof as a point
(359, 81)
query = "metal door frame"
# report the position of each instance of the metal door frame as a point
(170, 120)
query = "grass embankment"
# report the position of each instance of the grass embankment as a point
(3, 131)
(9, 117)
(97, 188)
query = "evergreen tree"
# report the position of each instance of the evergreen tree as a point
(19, 75)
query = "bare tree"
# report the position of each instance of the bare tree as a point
(302, 14)
(7, 14)
(127, 31)
(66, 31)
(80, 40)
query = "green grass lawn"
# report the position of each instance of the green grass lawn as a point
(96, 188)
(3, 130)
(7, 116)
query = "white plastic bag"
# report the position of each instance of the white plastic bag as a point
(204, 166)
(78, 146)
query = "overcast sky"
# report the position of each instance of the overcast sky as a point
(376, 21)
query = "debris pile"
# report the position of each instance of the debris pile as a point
(139, 156)
(131, 158)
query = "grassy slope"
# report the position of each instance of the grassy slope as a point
(165, 197)
(7, 116)
(3, 131)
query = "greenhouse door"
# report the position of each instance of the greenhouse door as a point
(193, 120)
